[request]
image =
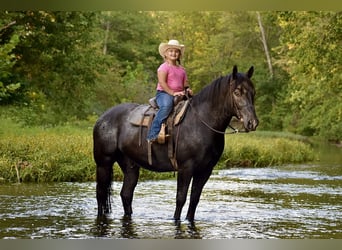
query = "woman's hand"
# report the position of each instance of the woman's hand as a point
(179, 93)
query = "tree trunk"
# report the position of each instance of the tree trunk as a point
(264, 42)
(106, 38)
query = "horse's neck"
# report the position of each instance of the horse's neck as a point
(214, 105)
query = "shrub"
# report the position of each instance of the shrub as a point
(260, 150)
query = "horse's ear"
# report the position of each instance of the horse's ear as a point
(250, 72)
(235, 71)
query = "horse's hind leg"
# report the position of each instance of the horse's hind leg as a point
(131, 175)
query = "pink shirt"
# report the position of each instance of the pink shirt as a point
(175, 76)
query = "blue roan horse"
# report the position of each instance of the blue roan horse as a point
(199, 147)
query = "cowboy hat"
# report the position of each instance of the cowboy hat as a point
(171, 44)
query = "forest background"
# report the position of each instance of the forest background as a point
(65, 67)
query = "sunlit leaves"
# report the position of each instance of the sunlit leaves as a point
(311, 42)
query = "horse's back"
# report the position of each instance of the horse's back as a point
(107, 127)
(116, 112)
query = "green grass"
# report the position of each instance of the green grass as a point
(64, 153)
(61, 153)
(262, 149)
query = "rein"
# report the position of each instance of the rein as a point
(235, 131)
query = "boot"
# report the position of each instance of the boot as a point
(162, 135)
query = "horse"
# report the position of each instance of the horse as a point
(199, 146)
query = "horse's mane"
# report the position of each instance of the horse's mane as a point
(213, 91)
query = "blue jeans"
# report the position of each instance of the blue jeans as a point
(165, 104)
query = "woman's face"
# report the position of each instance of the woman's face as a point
(172, 54)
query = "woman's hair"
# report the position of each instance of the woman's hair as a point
(178, 60)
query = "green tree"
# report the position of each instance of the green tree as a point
(61, 66)
(9, 83)
(58, 60)
(130, 39)
(311, 54)
(271, 86)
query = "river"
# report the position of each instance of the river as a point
(292, 201)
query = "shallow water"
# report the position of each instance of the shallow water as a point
(294, 201)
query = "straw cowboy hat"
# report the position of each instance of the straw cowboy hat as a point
(171, 44)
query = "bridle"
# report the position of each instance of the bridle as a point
(235, 131)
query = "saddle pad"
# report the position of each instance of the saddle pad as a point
(140, 115)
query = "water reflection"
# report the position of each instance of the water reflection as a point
(106, 227)
(188, 231)
(102, 226)
(128, 228)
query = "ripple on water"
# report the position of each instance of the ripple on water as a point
(287, 202)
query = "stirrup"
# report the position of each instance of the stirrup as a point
(162, 136)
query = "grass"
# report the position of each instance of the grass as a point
(64, 153)
(46, 155)
(61, 153)
(262, 149)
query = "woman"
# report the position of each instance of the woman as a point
(172, 81)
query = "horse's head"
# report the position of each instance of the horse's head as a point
(243, 92)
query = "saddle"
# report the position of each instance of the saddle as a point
(143, 116)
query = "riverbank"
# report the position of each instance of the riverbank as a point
(264, 148)
(65, 153)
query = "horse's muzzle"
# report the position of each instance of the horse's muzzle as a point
(252, 124)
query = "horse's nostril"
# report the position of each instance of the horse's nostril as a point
(253, 124)
(250, 124)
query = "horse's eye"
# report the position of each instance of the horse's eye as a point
(237, 92)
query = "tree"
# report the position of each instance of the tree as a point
(130, 39)
(60, 66)
(9, 84)
(57, 61)
(264, 42)
(310, 54)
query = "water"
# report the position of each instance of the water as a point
(294, 201)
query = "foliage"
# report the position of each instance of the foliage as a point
(9, 85)
(132, 42)
(310, 53)
(59, 67)
(132, 38)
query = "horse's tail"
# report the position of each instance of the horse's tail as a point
(104, 172)
(103, 189)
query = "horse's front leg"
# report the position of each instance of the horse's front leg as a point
(198, 183)
(131, 176)
(183, 182)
